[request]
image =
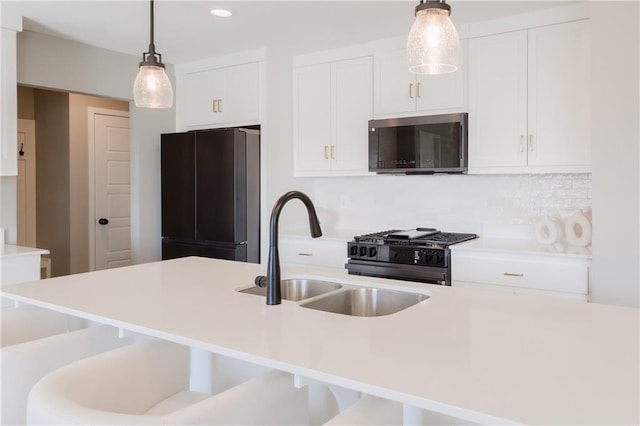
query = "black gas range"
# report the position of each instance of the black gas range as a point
(420, 254)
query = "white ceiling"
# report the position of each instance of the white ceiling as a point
(185, 31)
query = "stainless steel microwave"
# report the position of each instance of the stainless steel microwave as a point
(419, 145)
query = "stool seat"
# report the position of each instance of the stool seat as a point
(148, 383)
(176, 402)
(24, 323)
(23, 365)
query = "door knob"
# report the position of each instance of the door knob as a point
(103, 221)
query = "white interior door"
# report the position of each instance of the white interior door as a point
(111, 191)
(26, 183)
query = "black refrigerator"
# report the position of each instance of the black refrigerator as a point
(211, 194)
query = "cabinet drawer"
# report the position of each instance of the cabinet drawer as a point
(537, 274)
(332, 254)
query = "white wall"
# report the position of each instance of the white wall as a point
(277, 140)
(8, 211)
(54, 63)
(616, 253)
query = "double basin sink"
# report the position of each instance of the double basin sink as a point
(343, 299)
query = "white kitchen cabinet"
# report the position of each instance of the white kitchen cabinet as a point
(397, 92)
(8, 105)
(228, 95)
(513, 267)
(304, 250)
(19, 264)
(332, 105)
(529, 101)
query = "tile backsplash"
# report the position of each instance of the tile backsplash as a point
(501, 206)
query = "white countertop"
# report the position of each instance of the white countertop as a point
(9, 250)
(482, 356)
(505, 245)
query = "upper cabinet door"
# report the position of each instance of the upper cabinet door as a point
(229, 96)
(560, 95)
(332, 106)
(498, 101)
(241, 99)
(200, 90)
(397, 92)
(443, 92)
(312, 118)
(395, 88)
(352, 108)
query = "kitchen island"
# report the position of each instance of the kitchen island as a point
(481, 356)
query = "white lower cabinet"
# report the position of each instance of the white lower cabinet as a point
(550, 274)
(304, 250)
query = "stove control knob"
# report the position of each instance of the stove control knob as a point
(363, 251)
(353, 250)
(373, 251)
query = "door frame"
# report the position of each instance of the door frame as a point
(30, 228)
(92, 112)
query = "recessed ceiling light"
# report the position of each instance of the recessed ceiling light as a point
(222, 13)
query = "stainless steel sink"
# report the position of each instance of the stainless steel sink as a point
(297, 289)
(365, 302)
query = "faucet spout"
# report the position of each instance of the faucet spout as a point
(274, 296)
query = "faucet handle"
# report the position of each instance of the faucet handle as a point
(261, 281)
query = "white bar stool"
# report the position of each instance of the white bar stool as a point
(148, 383)
(370, 410)
(23, 365)
(23, 323)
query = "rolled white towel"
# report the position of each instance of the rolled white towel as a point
(548, 231)
(578, 229)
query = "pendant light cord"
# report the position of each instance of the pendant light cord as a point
(152, 47)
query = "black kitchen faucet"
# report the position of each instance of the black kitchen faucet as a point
(272, 280)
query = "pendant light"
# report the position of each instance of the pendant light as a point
(152, 88)
(433, 46)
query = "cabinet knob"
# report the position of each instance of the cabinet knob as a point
(418, 89)
(215, 105)
(521, 148)
(411, 90)
(531, 146)
(326, 154)
(333, 152)
(103, 221)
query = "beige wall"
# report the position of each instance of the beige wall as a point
(79, 174)
(52, 177)
(56, 139)
(26, 103)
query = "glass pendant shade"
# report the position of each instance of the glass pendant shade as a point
(433, 46)
(152, 88)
